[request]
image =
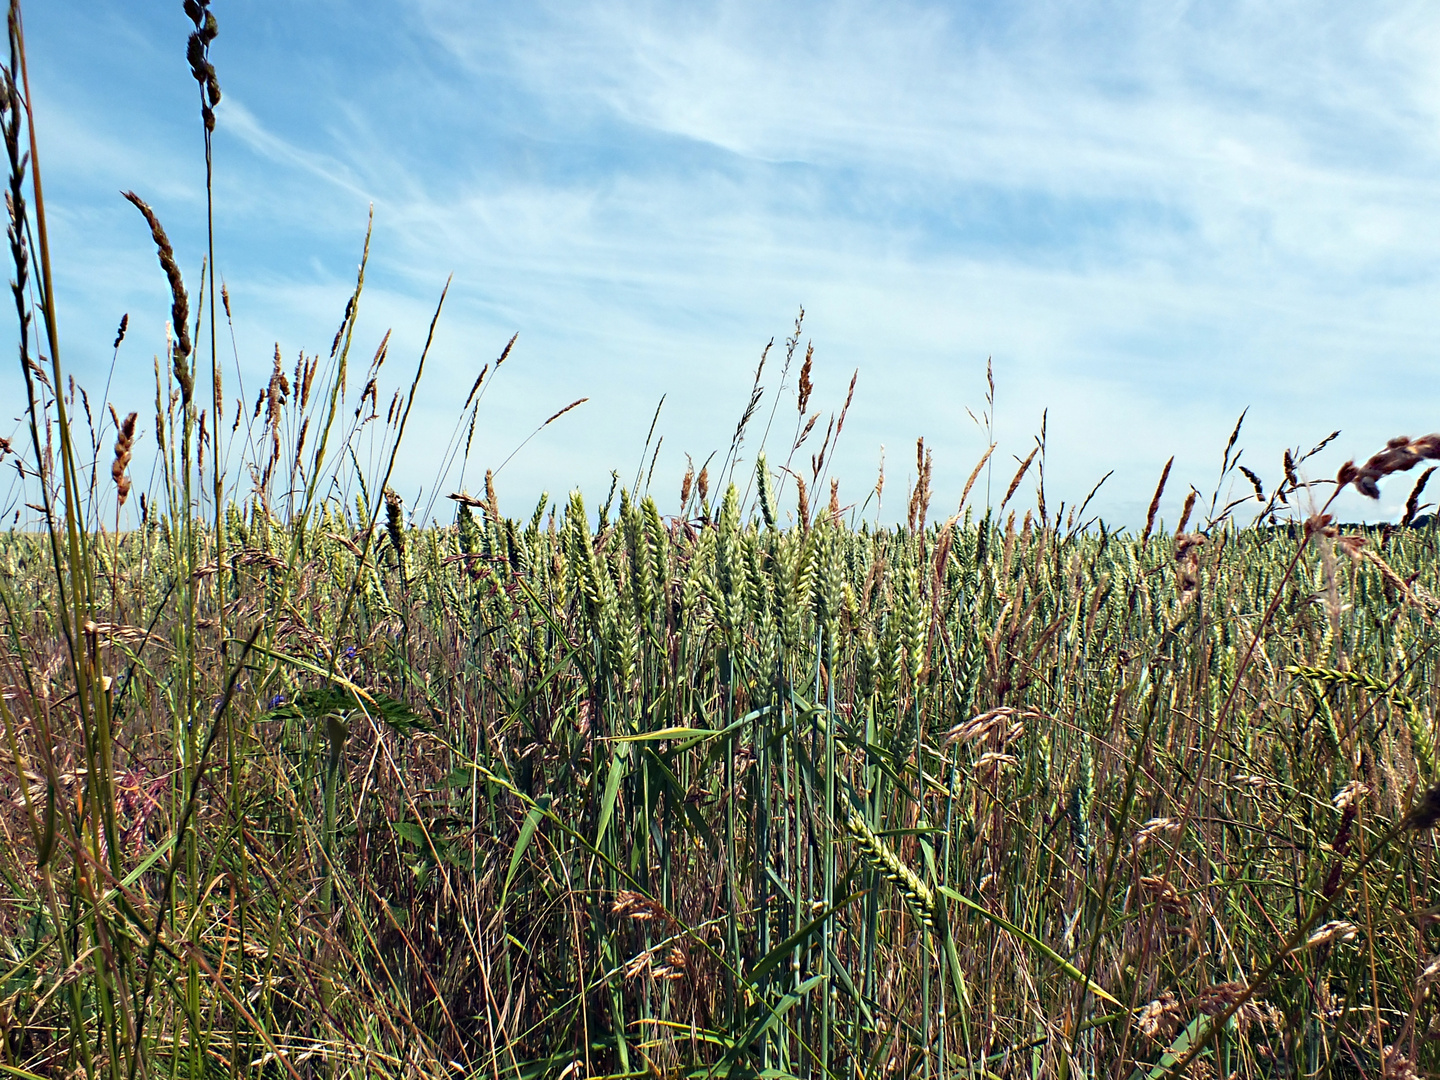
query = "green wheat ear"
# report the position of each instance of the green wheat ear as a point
(917, 894)
(767, 492)
(1421, 739)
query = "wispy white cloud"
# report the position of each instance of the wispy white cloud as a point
(1151, 217)
(270, 147)
(1190, 213)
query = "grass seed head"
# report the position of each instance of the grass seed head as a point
(1425, 813)
(806, 386)
(1334, 930)
(1429, 973)
(1400, 453)
(124, 447)
(1154, 829)
(395, 524)
(1351, 794)
(1159, 1018)
(687, 482)
(1187, 510)
(179, 300)
(1155, 501)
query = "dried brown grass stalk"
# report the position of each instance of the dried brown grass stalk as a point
(492, 502)
(506, 351)
(197, 52)
(179, 301)
(1412, 504)
(1400, 454)
(805, 431)
(480, 379)
(395, 526)
(300, 444)
(756, 393)
(475, 387)
(1187, 564)
(124, 448)
(806, 388)
(995, 728)
(1359, 550)
(1188, 509)
(1155, 502)
(974, 475)
(817, 461)
(920, 497)
(561, 412)
(1019, 475)
(308, 377)
(1255, 483)
(849, 397)
(1159, 1018)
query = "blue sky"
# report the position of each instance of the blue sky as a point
(1152, 216)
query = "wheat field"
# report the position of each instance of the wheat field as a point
(705, 780)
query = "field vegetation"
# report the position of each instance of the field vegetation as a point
(719, 776)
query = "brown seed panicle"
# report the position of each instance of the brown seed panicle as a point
(1412, 504)
(124, 448)
(1187, 564)
(920, 496)
(1159, 1018)
(492, 502)
(687, 482)
(1187, 510)
(395, 527)
(1334, 930)
(1156, 830)
(1399, 1067)
(637, 906)
(1400, 453)
(1216, 999)
(179, 301)
(1019, 475)
(1155, 502)
(806, 387)
(994, 728)
(1425, 813)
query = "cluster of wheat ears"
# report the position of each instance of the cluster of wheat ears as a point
(291, 786)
